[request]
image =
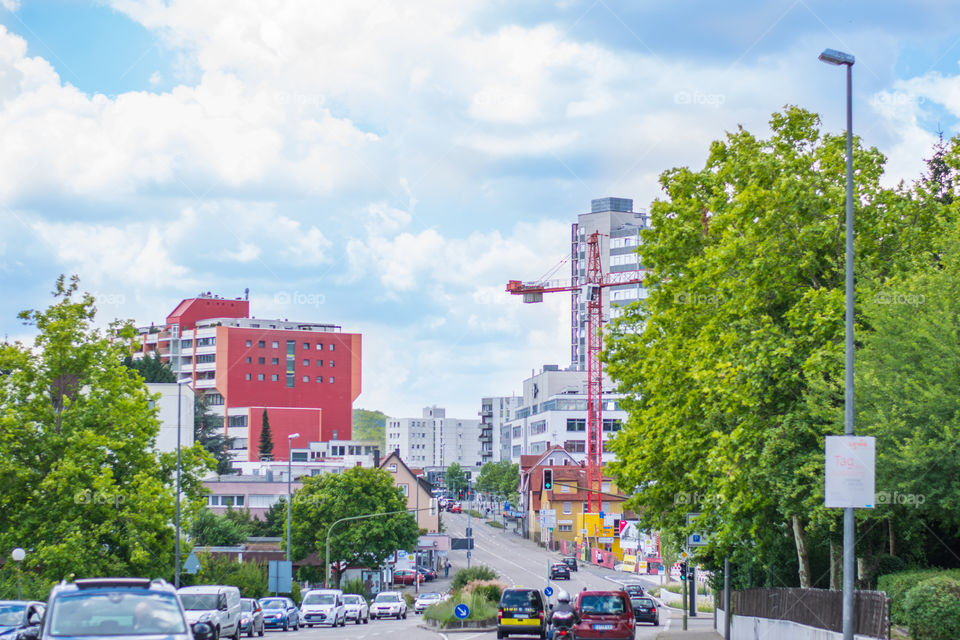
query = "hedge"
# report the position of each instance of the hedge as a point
(933, 609)
(896, 585)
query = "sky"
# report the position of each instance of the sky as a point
(387, 166)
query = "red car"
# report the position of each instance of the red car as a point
(404, 576)
(456, 508)
(604, 614)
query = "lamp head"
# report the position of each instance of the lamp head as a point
(293, 435)
(832, 56)
(18, 554)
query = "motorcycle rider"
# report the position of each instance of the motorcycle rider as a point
(564, 607)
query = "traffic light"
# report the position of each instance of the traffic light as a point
(683, 570)
(548, 479)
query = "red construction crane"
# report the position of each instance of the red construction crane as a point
(592, 287)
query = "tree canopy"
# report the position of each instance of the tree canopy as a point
(724, 364)
(500, 478)
(456, 478)
(266, 438)
(84, 489)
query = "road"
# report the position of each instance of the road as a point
(385, 629)
(521, 562)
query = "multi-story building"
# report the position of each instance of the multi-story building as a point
(434, 440)
(494, 413)
(173, 398)
(304, 375)
(553, 411)
(619, 228)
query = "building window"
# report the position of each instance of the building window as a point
(214, 398)
(275, 361)
(291, 347)
(306, 362)
(306, 346)
(334, 434)
(306, 378)
(319, 363)
(275, 344)
(405, 489)
(249, 360)
(565, 527)
(260, 377)
(331, 363)
(612, 425)
(567, 508)
(538, 427)
(261, 344)
(331, 347)
(320, 379)
(237, 421)
(261, 361)
(576, 424)
(275, 377)
(290, 379)
(249, 343)
(331, 379)
(247, 377)
(319, 346)
(564, 488)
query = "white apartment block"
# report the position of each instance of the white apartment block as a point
(553, 412)
(434, 440)
(172, 397)
(619, 228)
(494, 413)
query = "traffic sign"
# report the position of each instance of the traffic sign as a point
(548, 591)
(684, 555)
(462, 611)
(192, 565)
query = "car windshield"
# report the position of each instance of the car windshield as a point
(609, 604)
(352, 600)
(273, 603)
(429, 596)
(518, 599)
(246, 605)
(11, 615)
(95, 613)
(320, 598)
(199, 601)
(642, 602)
(387, 597)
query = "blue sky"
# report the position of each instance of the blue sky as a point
(391, 165)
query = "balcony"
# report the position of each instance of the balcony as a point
(205, 384)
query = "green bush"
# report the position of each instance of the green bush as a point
(479, 572)
(491, 590)
(933, 609)
(888, 564)
(355, 586)
(896, 586)
(480, 609)
(495, 524)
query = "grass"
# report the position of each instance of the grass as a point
(495, 524)
(705, 607)
(475, 514)
(480, 609)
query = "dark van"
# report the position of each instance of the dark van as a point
(521, 612)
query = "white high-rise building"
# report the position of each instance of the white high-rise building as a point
(619, 228)
(434, 440)
(494, 412)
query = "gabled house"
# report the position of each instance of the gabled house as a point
(419, 492)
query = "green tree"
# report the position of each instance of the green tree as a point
(456, 478)
(212, 530)
(274, 520)
(745, 265)
(500, 478)
(370, 426)
(266, 438)
(84, 489)
(208, 431)
(326, 498)
(151, 367)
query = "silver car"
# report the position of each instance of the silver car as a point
(355, 608)
(425, 600)
(389, 604)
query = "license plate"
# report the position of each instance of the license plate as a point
(602, 627)
(644, 610)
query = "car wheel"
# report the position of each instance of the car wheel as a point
(285, 625)
(500, 635)
(404, 615)
(236, 632)
(250, 632)
(216, 635)
(262, 630)
(366, 620)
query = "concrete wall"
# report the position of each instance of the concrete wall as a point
(749, 628)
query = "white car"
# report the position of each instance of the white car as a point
(388, 604)
(355, 608)
(323, 606)
(425, 600)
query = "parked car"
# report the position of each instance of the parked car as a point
(323, 606)
(521, 611)
(216, 604)
(645, 610)
(356, 608)
(456, 507)
(604, 614)
(426, 575)
(280, 613)
(559, 570)
(251, 617)
(424, 600)
(16, 615)
(404, 576)
(571, 562)
(388, 604)
(105, 608)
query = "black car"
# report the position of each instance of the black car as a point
(521, 611)
(16, 615)
(571, 562)
(645, 610)
(104, 608)
(634, 590)
(559, 570)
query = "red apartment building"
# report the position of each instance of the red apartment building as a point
(305, 375)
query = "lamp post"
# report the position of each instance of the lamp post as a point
(831, 56)
(176, 543)
(18, 554)
(290, 439)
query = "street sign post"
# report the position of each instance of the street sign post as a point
(280, 576)
(850, 472)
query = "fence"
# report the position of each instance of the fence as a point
(816, 608)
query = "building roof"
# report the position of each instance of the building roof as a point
(424, 484)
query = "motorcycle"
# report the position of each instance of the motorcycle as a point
(562, 623)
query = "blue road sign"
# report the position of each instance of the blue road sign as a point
(548, 591)
(192, 565)
(462, 611)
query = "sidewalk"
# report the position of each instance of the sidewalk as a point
(699, 628)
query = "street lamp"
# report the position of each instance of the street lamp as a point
(832, 56)
(289, 495)
(176, 551)
(18, 554)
